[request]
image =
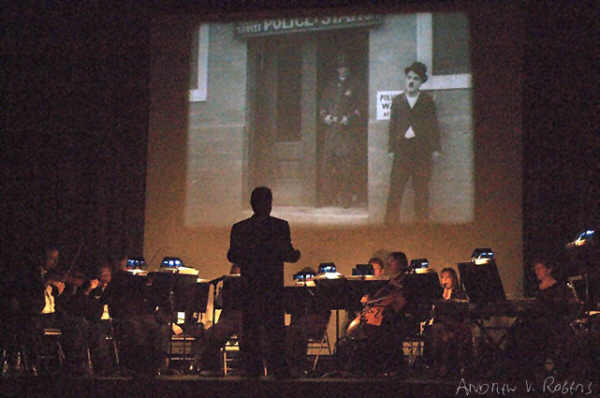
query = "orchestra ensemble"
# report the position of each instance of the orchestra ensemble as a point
(126, 306)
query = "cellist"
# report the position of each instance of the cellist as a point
(374, 345)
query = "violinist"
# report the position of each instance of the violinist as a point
(44, 307)
(449, 338)
(94, 297)
(373, 346)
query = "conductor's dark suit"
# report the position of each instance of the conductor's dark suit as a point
(260, 245)
(412, 157)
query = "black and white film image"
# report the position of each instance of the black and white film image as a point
(350, 120)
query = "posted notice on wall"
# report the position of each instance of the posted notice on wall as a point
(384, 103)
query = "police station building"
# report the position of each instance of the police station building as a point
(254, 100)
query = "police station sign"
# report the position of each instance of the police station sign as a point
(303, 24)
(384, 103)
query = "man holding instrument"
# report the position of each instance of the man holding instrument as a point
(43, 307)
(371, 344)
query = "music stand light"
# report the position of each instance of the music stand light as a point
(326, 268)
(419, 265)
(584, 238)
(482, 256)
(171, 262)
(304, 278)
(136, 263)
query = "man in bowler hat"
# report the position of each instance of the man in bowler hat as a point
(414, 141)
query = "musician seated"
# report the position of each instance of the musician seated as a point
(306, 323)
(543, 329)
(207, 349)
(374, 345)
(378, 266)
(378, 272)
(94, 297)
(44, 307)
(142, 323)
(449, 338)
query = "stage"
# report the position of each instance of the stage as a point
(235, 386)
(229, 386)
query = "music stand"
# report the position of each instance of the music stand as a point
(200, 295)
(231, 293)
(424, 288)
(333, 293)
(482, 282)
(363, 270)
(179, 292)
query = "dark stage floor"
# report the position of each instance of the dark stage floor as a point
(235, 386)
(230, 386)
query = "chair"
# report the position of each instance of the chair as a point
(231, 357)
(52, 336)
(315, 327)
(107, 338)
(319, 345)
(180, 348)
(231, 354)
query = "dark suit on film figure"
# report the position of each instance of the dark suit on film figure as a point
(260, 245)
(414, 140)
(340, 119)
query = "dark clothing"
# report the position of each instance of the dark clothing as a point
(449, 341)
(553, 303)
(132, 295)
(32, 291)
(207, 346)
(458, 294)
(260, 245)
(543, 331)
(73, 339)
(422, 118)
(74, 329)
(91, 307)
(339, 141)
(142, 330)
(372, 348)
(305, 326)
(412, 156)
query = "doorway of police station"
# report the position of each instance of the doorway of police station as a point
(289, 76)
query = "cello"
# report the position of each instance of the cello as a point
(373, 309)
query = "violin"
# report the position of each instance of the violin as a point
(75, 278)
(71, 275)
(69, 278)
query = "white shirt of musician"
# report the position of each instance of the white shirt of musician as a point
(48, 301)
(410, 133)
(105, 313)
